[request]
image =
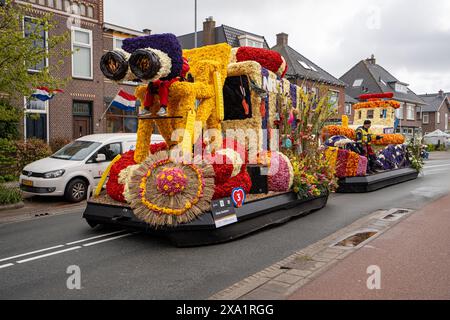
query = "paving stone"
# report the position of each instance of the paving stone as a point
(275, 286)
(261, 294)
(240, 290)
(299, 273)
(288, 278)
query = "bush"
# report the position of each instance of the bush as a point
(30, 151)
(58, 143)
(8, 165)
(9, 119)
(9, 195)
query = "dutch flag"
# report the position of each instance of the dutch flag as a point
(124, 101)
(44, 93)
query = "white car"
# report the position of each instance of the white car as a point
(78, 165)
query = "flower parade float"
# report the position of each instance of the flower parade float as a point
(395, 161)
(241, 146)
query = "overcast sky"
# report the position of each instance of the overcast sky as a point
(410, 38)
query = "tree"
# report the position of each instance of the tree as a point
(19, 53)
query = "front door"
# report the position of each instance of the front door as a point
(81, 127)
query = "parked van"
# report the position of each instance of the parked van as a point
(80, 164)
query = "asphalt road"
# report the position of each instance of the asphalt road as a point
(123, 265)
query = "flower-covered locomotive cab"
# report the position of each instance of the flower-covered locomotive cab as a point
(224, 114)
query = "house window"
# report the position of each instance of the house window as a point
(401, 88)
(410, 111)
(304, 65)
(446, 121)
(348, 109)
(399, 112)
(42, 2)
(358, 83)
(29, 27)
(251, 41)
(438, 117)
(118, 42)
(67, 6)
(370, 114)
(59, 4)
(334, 99)
(82, 9)
(120, 121)
(425, 118)
(51, 3)
(90, 12)
(36, 119)
(82, 53)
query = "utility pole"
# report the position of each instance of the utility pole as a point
(195, 23)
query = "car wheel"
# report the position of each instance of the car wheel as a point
(76, 190)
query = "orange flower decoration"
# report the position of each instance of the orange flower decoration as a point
(372, 104)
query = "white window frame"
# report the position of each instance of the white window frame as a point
(446, 121)
(348, 109)
(438, 117)
(26, 110)
(115, 38)
(426, 116)
(336, 93)
(46, 43)
(410, 110)
(90, 46)
(304, 64)
(400, 112)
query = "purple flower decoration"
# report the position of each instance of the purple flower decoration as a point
(166, 42)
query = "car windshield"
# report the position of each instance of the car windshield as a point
(76, 151)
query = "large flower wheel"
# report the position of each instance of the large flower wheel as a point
(165, 193)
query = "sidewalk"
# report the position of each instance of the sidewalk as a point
(413, 256)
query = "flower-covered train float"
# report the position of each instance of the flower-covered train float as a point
(368, 155)
(241, 143)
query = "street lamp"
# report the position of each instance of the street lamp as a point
(195, 15)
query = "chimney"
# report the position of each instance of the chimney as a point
(282, 39)
(441, 93)
(209, 31)
(372, 59)
(147, 31)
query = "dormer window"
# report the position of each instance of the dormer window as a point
(358, 82)
(251, 41)
(399, 87)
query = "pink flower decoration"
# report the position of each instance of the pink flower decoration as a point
(171, 181)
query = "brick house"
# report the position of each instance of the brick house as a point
(78, 110)
(369, 77)
(436, 114)
(301, 70)
(305, 73)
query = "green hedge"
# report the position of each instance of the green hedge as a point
(15, 155)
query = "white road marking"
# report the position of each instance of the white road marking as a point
(109, 239)
(6, 265)
(48, 254)
(440, 165)
(30, 253)
(92, 238)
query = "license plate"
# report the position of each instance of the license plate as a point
(27, 183)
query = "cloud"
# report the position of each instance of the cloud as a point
(408, 37)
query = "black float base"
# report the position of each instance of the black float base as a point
(251, 217)
(376, 181)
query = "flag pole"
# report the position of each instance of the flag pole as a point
(104, 113)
